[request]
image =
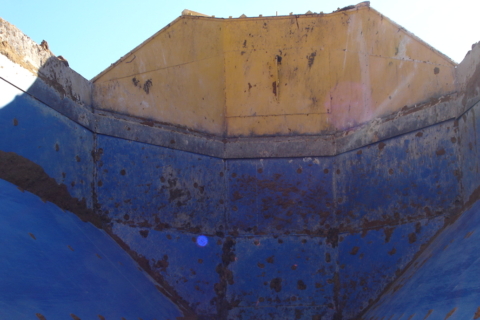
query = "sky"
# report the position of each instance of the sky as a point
(92, 34)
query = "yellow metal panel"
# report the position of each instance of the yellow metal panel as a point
(183, 65)
(308, 74)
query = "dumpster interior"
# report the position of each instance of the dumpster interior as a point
(317, 166)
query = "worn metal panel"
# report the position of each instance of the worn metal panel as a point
(399, 180)
(60, 146)
(177, 77)
(468, 135)
(283, 271)
(159, 188)
(55, 266)
(268, 313)
(443, 281)
(371, 260)
(280, 196)
(287, 75)
(185, 265)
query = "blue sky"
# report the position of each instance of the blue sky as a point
(93, 34)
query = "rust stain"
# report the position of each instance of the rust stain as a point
(74, 317)
(40, 316)
(270, 259)
(419, 134)
(381, 145)
(301, 285)
(450, 313)
(276, 284)
(70, 248)
(354, 250)
(412, 237)
(392, 252)
(440, 152)
(98, 256)
(477, 314)
(428, 314)
(32, 235)
(468, 235)
(410, 318)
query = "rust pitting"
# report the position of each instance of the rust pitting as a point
(40, 316)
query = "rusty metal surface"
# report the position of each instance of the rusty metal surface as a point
(293, 271)
(54, 266)
(369, 261)
(142, 185)
(443, 282)
(280, 196)
(395, 181)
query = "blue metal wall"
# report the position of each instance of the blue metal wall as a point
(60, 146)
(56, 266)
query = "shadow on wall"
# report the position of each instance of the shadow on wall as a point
(59, 266)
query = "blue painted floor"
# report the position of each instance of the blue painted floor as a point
(55, 266)
(444, 282)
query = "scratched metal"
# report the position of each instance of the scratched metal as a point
(370, 261)
(283, 271)
(154, 187)
(188, 267)
(469, 134)
(55, 265)
(60, 146)
(443, 282)
(280, 196)
(281, 313)
(399, 180)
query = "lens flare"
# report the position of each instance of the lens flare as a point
(202, 241)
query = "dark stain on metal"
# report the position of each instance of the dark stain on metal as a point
(15, 122)
(147, 85)
(381, 145)
(328, 257)
(100, 183)
(149, 123)
(392, 252)
(98, 256)
(274, 88)
(412, 237)
(354, 250)
(144, 233)
(436, 70)
(260, 265)
(388, 233)
(57, 147)
(245, 44)
(40, 316)
(325, 171)
(162, 264)
(311, 58)
(69, 247)
(301, 285)
(78, 158)
(270, 259)
(299, 170)
(298, 314)
(410, 318)
(123, 172)
(101, 317)
(32, 235)
(135, 82)
(276, 284)
(390, 171)
(226, 278)
(450, 313)
(74, 317)
(419, 134)
(332, 237)
(428, 314)
(440, 152)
